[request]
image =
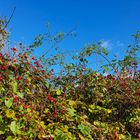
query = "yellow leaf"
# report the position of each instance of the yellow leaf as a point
(109, 111)
(10, 113)
(58, 91)
(64, 128)
(46, 110)
(72, 103)
(43, 125)
(81, 137)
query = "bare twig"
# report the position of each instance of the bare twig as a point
(9, 19)
(53, 45)
(109, 63)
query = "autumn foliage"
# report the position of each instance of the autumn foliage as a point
(81, 104)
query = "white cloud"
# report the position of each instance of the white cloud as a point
(110, 45)
(107, 44)
(119, 44)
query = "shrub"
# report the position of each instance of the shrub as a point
(80, 104)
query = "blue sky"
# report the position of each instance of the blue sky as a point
(111, 20)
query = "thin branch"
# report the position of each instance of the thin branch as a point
(109, 63)
(53, 45)
(9, 18)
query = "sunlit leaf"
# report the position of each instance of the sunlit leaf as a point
(15, 86)
(58, 91)
(9, 138)
(9, 102)
(84, 129)
(14, 127)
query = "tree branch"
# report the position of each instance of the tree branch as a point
(9, 19)
(53, 45)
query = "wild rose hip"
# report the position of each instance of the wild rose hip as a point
(56, 111)
(19, 78)
(15, 98)
(1, 78)
(33, 58)
(51, 99)
(14, 49)
(25, 106)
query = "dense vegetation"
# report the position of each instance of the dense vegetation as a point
(78, 103)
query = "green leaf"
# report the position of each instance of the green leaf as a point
(9, 138)
(97, 123)
(9, 102)
(2, 90)
(20, 108)
(61, 137)
(58, 91)
(14, 86)
(71, 112)
(91, 108)
(47, 84)
(84, 129)
(1, 132)
(14, 127)
(104, 50)
(20, 95)
(1, 119)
